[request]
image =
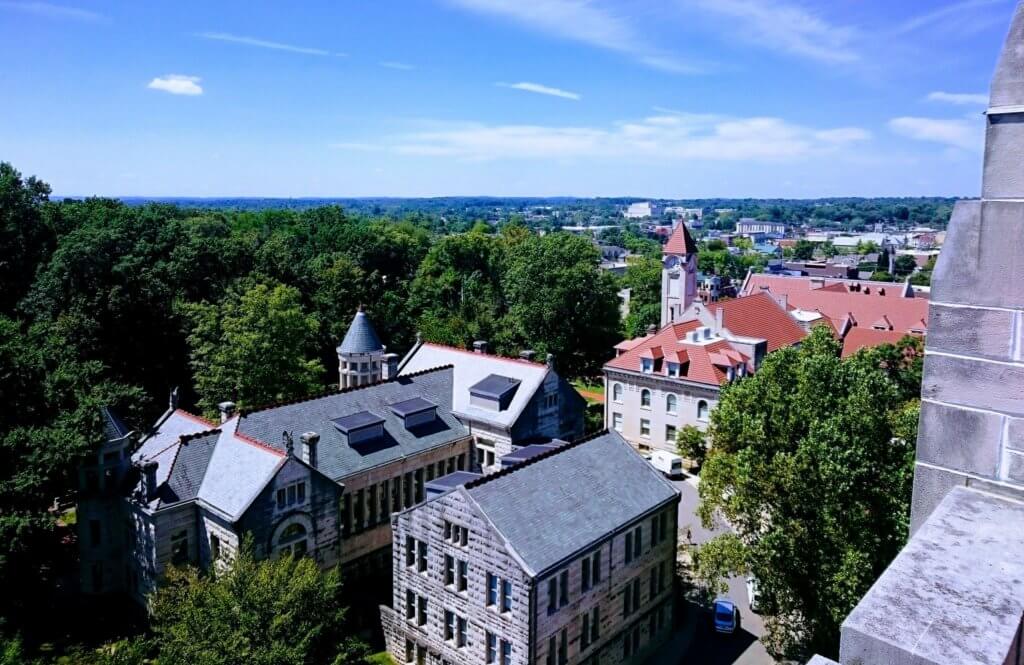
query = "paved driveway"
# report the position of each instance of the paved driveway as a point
(707, 646)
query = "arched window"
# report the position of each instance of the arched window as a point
(670, 403)
(702, 410)
(645, 398)
(292, 540)
(616, 392)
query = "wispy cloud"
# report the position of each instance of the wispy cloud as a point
(958, 133)
(786, 27)
(403, 66)
(663, 137)
(954, 11)
(177, 84)
(582, 21)
(262, 43)
(48, 10)
(973, 99)
(540, 89)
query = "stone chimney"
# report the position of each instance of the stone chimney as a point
(289, 443)
(310, 443)
(149, 480)
(652, 329)
(480, 346)
(719, 320)
(528, 354)
(389, 366)
(550, 360)
(227, 411)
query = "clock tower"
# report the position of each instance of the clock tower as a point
(678, 274)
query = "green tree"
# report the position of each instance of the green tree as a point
(803, 250)
(904, 265)
(25, 239)
(717, 560)
(253, 347)
(643, 279)
(812, 462)
(882, 276)
(276, 611)
(828, 249)
(692, 444)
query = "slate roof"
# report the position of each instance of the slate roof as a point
(700, 359)
(470, 368)
(680, 242)
(161, 445)
(412, 406)
(361, 337)
(336, 458)
(494, 386)
(191, 459)
(559, 504)
(238, 470)
(758, 315)
(113, 427)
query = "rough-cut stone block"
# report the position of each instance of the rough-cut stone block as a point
(971, 331)
(979, 384)
(956, 272)
(931, 485)
(1008, 79)
(1015, 466)
(959, 439)
(1015, 434)
(1004, 142)
(955, 594)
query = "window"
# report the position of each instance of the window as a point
(292, 540)
(563, 647)
(584, 631)
(552, 595)
(410, 551)
(652, 586)
(506, 596)
(460, 638)
(702, 410)
(449, 625)
(671, 401)
(463, 575)
(617, 392)
(552, 650)
(280, 498)
(410, 604)
(492, 647)
(179, 548)
(646, 365)
(631, 598)
(645, 399)
(551, 401)
(410, 651)
(421, 556)
(294, 493)
(637, 542)
(506, 652)
(629, 546)
(617, 422)
(662, 575)
(449, 570)
(670, 433)
(673, 369)
(214, 547)
(595, 624)
(645, 428)
(590, 571)
(492, 590)
(595, 569)
(585, 574)
(421, 611)
(95, 533)
(563, 596)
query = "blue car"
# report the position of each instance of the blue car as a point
(727, 616)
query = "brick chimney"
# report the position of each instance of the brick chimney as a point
(480, 346)
(227, 411)
(310, 443)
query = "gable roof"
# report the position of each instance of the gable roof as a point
(759, 316)
(361, 336)
(469, 369)
(680, 242)
(700, 363)
(858, 338)
(161, 445)
(564, 501)
(113, 427)
(237, 471)
(337, 459)
(185, 476)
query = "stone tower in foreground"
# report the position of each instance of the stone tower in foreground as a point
(360, 354)
(955, 594)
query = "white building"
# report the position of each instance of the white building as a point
(642, 210)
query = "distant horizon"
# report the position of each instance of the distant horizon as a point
(496, 197)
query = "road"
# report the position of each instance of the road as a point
(708, 647)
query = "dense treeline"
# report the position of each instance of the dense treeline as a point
(104, 303)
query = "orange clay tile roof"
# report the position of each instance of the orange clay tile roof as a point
(698, 361)
(680, 242)
(859, 338)
(758, 315)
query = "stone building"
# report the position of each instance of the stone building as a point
(505, 402)
(564, 558)
(955, 594)
(361, 359)
(189, 490)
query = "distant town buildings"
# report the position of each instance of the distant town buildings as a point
(642, 210)
(748, 225)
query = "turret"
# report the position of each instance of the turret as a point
(678, 274)
(360, 354)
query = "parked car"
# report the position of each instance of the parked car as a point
(668, 463)
(753, 597)
(726, 616)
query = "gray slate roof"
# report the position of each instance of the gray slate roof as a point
(113, 427)
(189, 467)
(361, 337)
(336, 458)
(557, 505)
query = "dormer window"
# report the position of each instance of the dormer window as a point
(359, 427)
(415, 412)
(647, 365)
(494, 393)
(730, 373)
(741, 370)
(673, 369)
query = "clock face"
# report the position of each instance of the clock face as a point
(671, 262)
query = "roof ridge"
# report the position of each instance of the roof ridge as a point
(193, 416)
(495, 356)
(330, 392)
(259, 444)
(543, 456)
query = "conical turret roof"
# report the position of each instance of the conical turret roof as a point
(361, 337)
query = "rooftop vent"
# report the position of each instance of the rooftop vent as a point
(494, 392)
(360, 426)
(415, 412)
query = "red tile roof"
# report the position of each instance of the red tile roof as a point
(858, 338)
(758, 315)
(700, 363)
(680, 242)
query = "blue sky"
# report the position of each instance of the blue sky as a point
(667, 98)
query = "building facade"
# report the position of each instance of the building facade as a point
(750, 226)
(504, 570)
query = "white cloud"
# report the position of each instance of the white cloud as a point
(48, 10)
(177, 84)
(952, 132)
(403, 66)
(581, 21)
(979, 99)
(785, 27)
(540, 89)
(954, 13)
(262, 43)
(674, 137)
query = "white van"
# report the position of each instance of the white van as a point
(668, 463)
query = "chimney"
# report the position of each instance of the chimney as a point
(550, 360)
(719, 319)
(528, 354)
(149, 480)
(389, 366)
(480, 346)
(173, 401)
(783, 300)
(289, 443)
(309, 447)
(227, 411)
(652, 329)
